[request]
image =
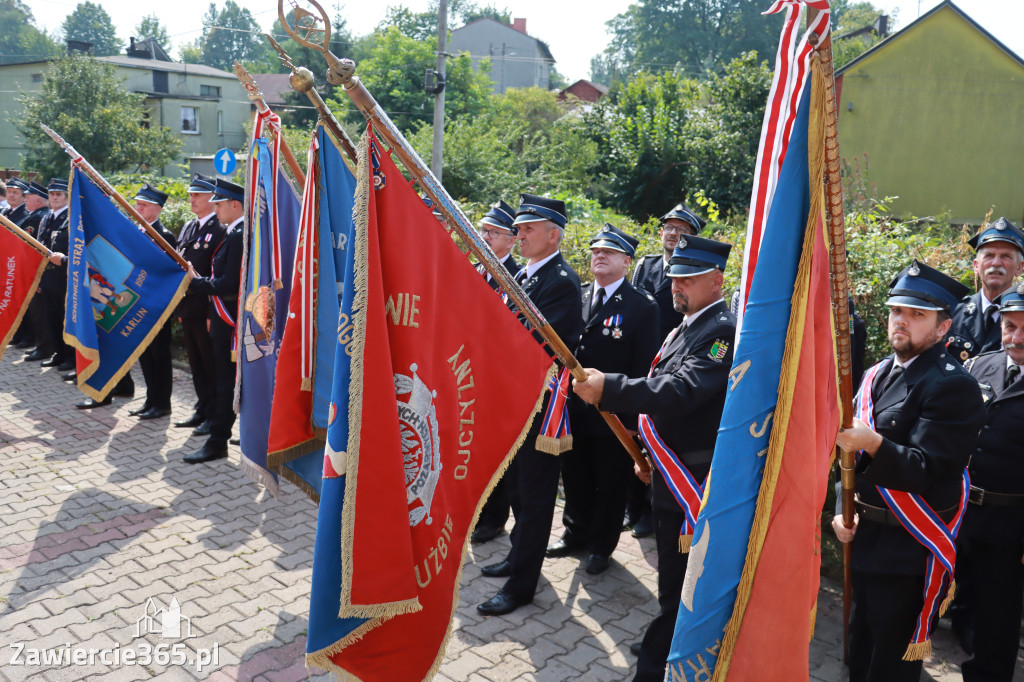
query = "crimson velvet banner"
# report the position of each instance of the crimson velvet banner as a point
(442, 385)
(21, 265)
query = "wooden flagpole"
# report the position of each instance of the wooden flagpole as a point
(835, 215)
(252, 90)
(79, 161)
(342, 72)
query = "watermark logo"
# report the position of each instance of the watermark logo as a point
(164, 622)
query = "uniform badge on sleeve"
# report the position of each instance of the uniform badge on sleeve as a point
(718, 350)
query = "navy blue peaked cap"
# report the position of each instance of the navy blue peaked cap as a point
(681, 212)
(201, 184)
(533, 208)
(1001, 230)
(924, 287)
(57, 185)
(1013, 300)
(611, 237)
(37, 189)
(17, 183)
(502, 216)
(151, 194)
(697, 255)
(227, 191)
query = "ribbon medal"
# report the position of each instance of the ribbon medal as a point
(611, 326)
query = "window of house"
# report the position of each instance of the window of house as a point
(209, 90)
(190, 120)
(160, 81)
(37, 78)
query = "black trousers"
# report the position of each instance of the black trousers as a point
(532, 481)
(596, 476)
(223, 417)
(200, 361)
(995, 576)
(155, 363)
(495, 511)
(40, 316)
(55, 322)
(650, 665)
(884, 615)
(638, 499)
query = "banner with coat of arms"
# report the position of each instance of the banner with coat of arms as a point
(423, 420)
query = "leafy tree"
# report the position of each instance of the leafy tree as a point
(473, 12)
(229, 34)
(90, 23)
(21, 40)
(84, 101)
(150, 27)
(850, 17)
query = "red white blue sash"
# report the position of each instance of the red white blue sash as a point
(921, 521)
(683, 486)
(555, 435)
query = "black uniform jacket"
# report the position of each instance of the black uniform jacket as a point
(226, 272)
(626, 346)
(16, 215)
(196, 244)
(555, 290)
(685, 395)
(649, 275)
(54, 230)
(967, 336)
(165, 233)
(929, 420)
(997, 464)
(510, 264)
(33, 220)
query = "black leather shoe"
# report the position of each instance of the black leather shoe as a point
(484, 533)
(190, 423)
(25, 343)
(235, 441)
(203, 429)
(635, 648)
(35, 356)
(644, 527)
(89, 403)
(155, 413)
(140, 410)
(502, 569)
(65, 366)
(597, 564)
(55, 361)
(500, 604)
(207, 453)
(69, 376)
(560, 548)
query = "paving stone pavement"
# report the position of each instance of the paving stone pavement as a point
(100, 515)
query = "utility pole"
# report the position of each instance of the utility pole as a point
(442, 44)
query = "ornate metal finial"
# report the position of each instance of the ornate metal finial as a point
(309, 26)
(302, 79)
(252, 89)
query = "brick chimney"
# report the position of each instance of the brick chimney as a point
(519, 24)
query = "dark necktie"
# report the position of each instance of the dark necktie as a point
(989, 320)
(598, 302)
(894, 374)
(1012, 372)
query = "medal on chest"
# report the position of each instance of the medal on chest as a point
(612, 325)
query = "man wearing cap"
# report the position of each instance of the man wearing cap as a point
(155, 361)
(620, 335)
(918, 415)
(498, 229)
(49, 320)
(222, 287)
(998, 261)
(199, 238)
(36, 203)
(680, 405)
(650, 275)
(993, 527)
(532, 477)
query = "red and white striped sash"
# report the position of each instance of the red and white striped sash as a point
(555, 435)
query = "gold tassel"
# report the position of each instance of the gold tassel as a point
(949, 598)
(278, 284)
(234, 356)
(684, 543)
(553, 446)
(918, 651)
(307, 384)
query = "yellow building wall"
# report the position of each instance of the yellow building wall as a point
(938, 114)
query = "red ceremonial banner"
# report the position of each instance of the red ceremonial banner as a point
(445, 382)
(22, 263)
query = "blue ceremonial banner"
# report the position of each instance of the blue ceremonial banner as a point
(122, 287)
(272, 229)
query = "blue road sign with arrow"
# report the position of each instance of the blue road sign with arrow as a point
(224, 161)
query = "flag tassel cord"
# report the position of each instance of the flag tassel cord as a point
(78, 161)
(342, 72)
(256, 97)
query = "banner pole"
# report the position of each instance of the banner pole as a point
(342, 72)
(29, 239)
(835, 215)
(79, 161)
(252, 91)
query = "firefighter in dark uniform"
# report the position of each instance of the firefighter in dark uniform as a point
(222, 287)
(620, 335)
(155, 361)
(199, 238)
(683, 396)
(498, 230)
(36, 198)
(53, 234)
(993, 523)
(926, 412)
(650, 275)
(16, 213)
(532, 477)
(998, 261)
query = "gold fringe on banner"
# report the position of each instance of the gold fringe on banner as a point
(684, 543)
(553, 446)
